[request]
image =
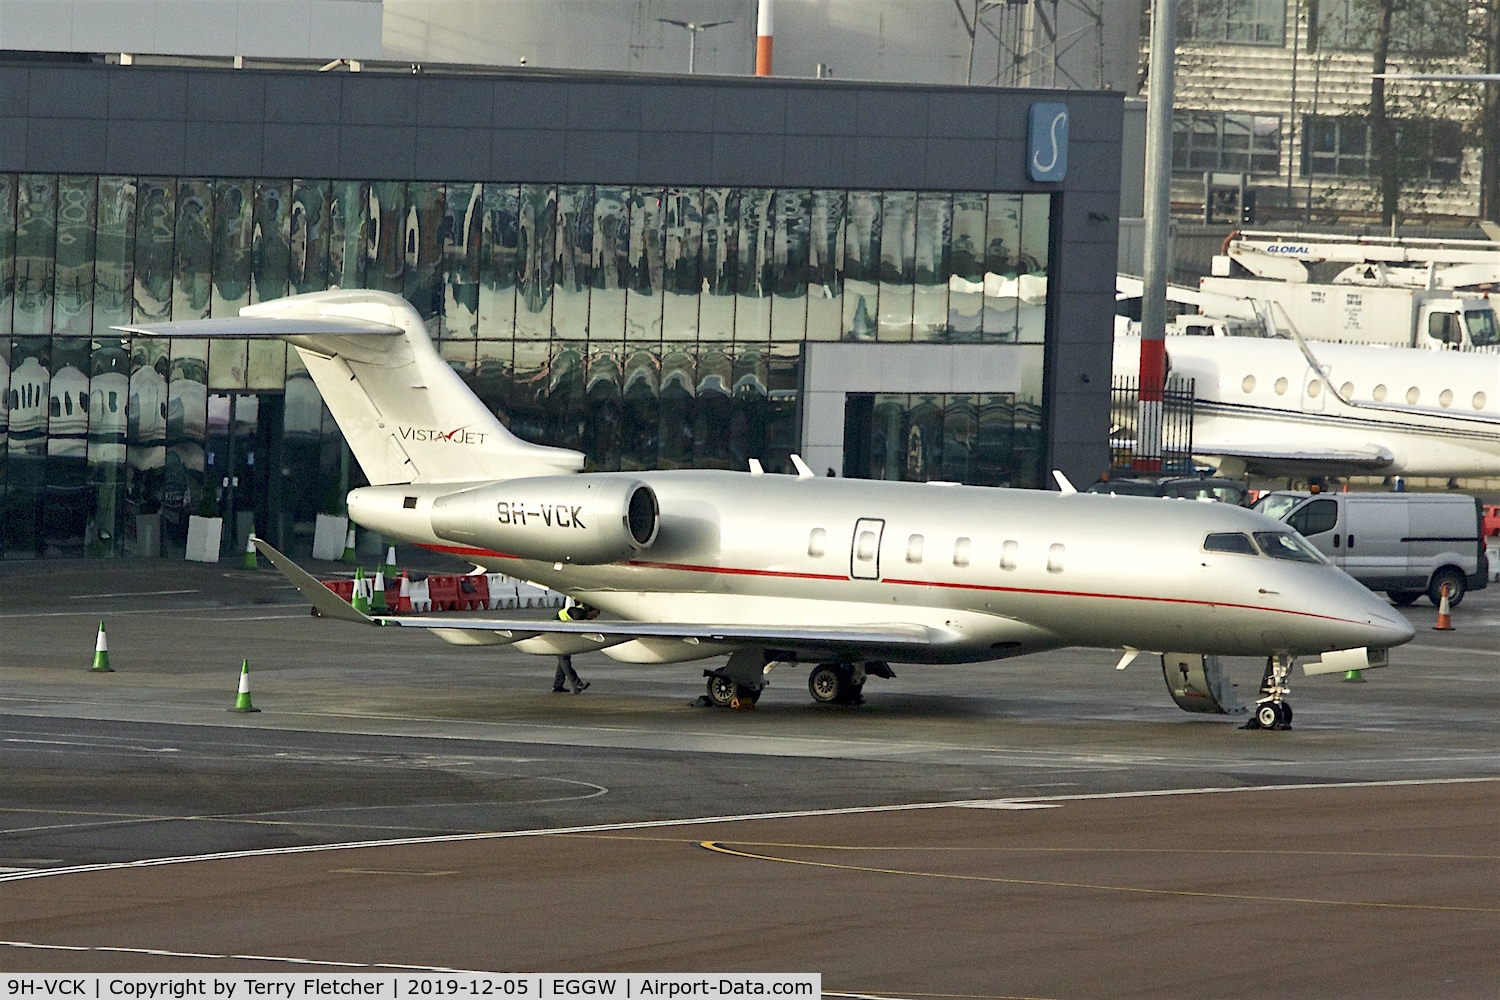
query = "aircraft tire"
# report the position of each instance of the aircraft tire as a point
(722, 691)
(1403, 598)
(1269, 715)
(828, 684)
(1286, 715)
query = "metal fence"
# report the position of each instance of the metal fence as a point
(1176, 433)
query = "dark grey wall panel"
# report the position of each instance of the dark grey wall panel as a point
(959, 165)
(531, 104)
(964, 116)
(750, 110)
(148, 96)
(882, 162)
(675, 158)
(380, 100)
(147, 147)
(66, 145)
(226, 97)
(456, 103)
(68, 92)
(232, 147)
(12, 144)
(822, 110)
(902, 113)
(451, 154)
(748, 159)
(305, 98)
(526, 154)
(677, 109)
(379, 152)
(600, 156)
(819, 161)
(298, 150)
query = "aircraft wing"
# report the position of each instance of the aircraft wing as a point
(599, 634)
(1283, 457)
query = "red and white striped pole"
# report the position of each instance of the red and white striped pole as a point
(1159, 98)
(763, 35)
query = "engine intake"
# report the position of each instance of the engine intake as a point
(586, 520)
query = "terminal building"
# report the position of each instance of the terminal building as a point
(660, 271)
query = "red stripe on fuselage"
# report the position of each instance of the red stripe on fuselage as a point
(459, 550)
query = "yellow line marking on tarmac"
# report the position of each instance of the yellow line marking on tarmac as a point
(719, 848)
(1055, 850)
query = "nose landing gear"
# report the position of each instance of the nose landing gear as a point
(1272, 710)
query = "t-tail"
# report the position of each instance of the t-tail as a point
(406, 414)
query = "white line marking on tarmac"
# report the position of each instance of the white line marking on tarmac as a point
(459, 838)
(1455, 649)
(132, 593)
(115, 614)
(164, 953)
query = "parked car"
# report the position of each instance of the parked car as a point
(1233, 491)
(1406, 544)
(1491, 520)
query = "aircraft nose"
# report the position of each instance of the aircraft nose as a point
(1385, 627)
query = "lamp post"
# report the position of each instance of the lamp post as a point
(693, 29)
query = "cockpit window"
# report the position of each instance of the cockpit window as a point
(1285, 545)
(1229, 541)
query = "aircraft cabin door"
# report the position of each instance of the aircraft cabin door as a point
(864, 555)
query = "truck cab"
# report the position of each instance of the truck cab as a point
(1451, 324)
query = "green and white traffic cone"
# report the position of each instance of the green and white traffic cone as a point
(250, 561)
(377, 595)
(242, 700)
(101, 653)
(349, 555)
(389, 567)
(361, 600)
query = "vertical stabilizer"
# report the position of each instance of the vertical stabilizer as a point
(406, 414)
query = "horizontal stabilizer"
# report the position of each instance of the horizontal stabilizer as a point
(324, 601)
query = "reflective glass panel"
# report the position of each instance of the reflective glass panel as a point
(790, 259)
(684, 228)
(183, 479)
(348, 220)
(386, 237)
(459, 353)
(752, 305)
(567, 405)
(534, 253)
(30, 376)
(77, 202)
(639, 410)
(114, 248)
(610, 263)
(109, 398)
(934, 236)
(36, 252)
(966, 263)
(602, 388)
(497, 261)
(7, 250)
(463, 227)
(1001, 263)
(713, 411)
(146, 420)
(527, 403)
(750, 408)
(68, 406)
(422, 245)
(265, 364)
(643, 304)
(571, 271)
(1036, 225)
(678, 385)
(234, 217)
(960, 435)
(719, 263)
(271, 241)
(493, 373)
(861, 264)
(156, 221)
(193, 276)
(228, 364)
(898, 237)
(308, 268)
(784, 378)
(825, 276)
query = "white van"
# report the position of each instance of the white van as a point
(1406, 544)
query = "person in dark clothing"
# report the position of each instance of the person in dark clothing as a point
(565, 674)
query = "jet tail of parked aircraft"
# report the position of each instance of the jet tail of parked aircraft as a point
(406, 414)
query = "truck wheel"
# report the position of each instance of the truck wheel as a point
(1456, 587)
(1403, 598)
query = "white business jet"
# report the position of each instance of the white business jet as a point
(846, 576)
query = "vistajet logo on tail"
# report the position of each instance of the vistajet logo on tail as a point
(458, 435)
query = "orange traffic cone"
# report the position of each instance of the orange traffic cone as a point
(403, 603)
(1445, 619)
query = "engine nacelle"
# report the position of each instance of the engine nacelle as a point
(585, 520)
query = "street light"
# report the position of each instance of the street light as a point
(692, 29)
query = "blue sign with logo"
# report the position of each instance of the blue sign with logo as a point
(1047, 148)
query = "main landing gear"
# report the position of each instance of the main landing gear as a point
(740, 682)
(1272, 710)
(843, 683)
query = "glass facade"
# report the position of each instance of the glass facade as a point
(650, 327)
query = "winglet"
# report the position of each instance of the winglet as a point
(1067, 488)
(803, 472)
(1130, 654)
(324, 601)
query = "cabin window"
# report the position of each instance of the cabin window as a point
(1347, 390)
(409, 503)
(1055, 557)
(914, 549)
(1281, 385)
(1479, 400)
(1248, 384)
(1378, 393)
(961, 552)
(1412, 395)
(817, 543)
(1008, 555)
(1445, 398)
(1314, 387)
(1229, 541)
(865, 547)
(114, 403)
